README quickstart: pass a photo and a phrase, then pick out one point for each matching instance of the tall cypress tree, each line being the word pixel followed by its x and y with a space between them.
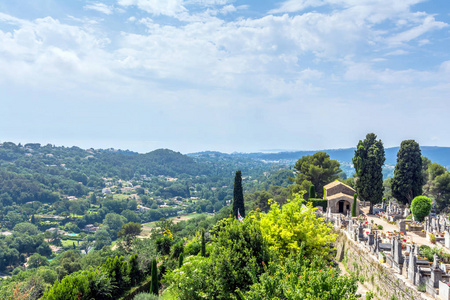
pixel 203 248
pixel 312 192
pixel 180 260
pixel 238 196
pixel 368 162
pixel 355 203
pixel 408 180
pixel 154 285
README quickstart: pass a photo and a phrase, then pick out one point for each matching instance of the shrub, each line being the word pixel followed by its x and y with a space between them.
pixel 432 239
pixel 319 202
pixel 380 227
pixel 301 278
pixel 145 296
pixel 420 207
pixel 287 227
pixel 422 288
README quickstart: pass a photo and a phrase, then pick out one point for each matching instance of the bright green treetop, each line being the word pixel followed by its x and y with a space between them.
pixel 293 224
pixel 420 207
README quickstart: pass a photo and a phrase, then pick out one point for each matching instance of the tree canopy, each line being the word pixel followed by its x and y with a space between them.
pixel 368 162
pixel 317 169
pixel 408 177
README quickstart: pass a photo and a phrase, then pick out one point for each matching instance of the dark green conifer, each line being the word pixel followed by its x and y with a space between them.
pixel 180 260
pixel 203 251
pixel 238 196
pixel 154 286
pixel 312 192
pixel 408 179
pixel 355 203
pixel 368 162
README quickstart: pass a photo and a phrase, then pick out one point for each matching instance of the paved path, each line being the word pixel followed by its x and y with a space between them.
pixel 391 227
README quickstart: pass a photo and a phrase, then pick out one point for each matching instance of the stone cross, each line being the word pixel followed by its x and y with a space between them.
pixel 435 261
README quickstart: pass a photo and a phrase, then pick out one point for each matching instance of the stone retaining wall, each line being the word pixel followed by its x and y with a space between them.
pixel 382 280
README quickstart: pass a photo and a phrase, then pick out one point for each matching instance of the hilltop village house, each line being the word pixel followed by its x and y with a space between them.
pixel 340 198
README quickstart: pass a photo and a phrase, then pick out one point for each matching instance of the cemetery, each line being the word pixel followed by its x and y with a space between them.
pixel 397 257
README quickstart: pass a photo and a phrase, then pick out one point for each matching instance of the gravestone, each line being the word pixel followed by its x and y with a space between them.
pixel 402 226
pixel 436 273
pixel 412 268
pixel 371 239
pixel 447 239
pixel 360 232
pixel 397 255
pixel 443 267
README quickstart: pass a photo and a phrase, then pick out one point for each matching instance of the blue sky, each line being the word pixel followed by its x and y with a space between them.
pixel 224 75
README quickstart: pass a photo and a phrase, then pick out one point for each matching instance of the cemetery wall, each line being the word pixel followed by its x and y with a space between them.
pixel 378 277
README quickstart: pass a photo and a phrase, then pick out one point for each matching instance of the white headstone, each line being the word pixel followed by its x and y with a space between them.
pixel 447 239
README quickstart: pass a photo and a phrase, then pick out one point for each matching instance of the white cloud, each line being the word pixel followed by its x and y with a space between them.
pixel 157 7
pixel 429 23
pixel 296 5
pixel 100 7
pixel 397 52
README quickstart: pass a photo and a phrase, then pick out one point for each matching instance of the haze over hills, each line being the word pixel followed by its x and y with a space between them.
pixel 440 155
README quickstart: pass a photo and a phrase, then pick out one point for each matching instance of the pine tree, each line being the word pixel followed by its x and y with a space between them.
pixel 312 192
pixel 238 196
pixel 355 203
pixel 408 178
pixel 154 286
pixel 203 249
pixel 368 162
pixel 33 219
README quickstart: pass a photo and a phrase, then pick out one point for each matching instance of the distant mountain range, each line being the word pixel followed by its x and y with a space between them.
pixel 440 155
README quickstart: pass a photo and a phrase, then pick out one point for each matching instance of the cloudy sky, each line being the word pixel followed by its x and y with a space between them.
pixel 243 75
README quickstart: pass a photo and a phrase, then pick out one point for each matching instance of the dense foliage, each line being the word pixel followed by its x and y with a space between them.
pixel 420 207
pixel 293 225
pixel 302 278
pixel 368 162
pixel 317 169
pixel 282 253
pixel 408 178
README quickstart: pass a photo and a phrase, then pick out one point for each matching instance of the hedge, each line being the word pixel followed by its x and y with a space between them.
pixel 319 202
